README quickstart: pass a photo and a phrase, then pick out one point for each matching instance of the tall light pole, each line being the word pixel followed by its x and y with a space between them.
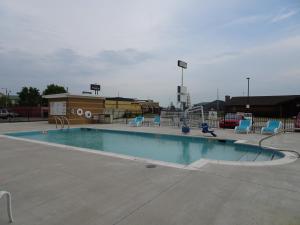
pixel 248 102
pixel 182 90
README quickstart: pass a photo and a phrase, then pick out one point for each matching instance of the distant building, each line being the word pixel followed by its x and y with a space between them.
pixel 217 105
pixel 119 106
pixel 149 106
pixel 266 106
pixel 122 104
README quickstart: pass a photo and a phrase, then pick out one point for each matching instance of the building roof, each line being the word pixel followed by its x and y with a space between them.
pixel 147 105
pixel 261 100
pixel 201 103
pixel 68 95
pixel 120 99
pixel 215 105
pixel 208 103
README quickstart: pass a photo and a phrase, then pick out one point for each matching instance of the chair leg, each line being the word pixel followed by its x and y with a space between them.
pixel 9 211
pixel 8 204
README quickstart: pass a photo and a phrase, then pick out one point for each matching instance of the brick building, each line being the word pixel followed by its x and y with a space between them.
pixel 266 106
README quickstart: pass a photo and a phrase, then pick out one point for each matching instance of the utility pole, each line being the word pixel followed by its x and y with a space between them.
pixel 6 96
pixel 217 99
pixel 181 90
pixel 181 76
pixel 248 99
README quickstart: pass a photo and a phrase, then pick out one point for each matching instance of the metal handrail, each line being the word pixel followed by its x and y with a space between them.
pixel 55 118
pixel 60 120
pixel 282 150
pixel 66 119
pixel 272 135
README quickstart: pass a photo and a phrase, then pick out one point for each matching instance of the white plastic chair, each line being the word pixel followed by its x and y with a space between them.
pixel 8 202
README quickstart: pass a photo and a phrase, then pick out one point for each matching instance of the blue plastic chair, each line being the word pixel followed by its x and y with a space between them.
pixel 137 121
pixel 272 127
pixel 243 127
pixel 156 120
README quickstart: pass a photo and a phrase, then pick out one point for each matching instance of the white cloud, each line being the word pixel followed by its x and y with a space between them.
pixel 246 20
pixel 132 46
pixel 283 16
pixel 19 68
pixel 273 69
pixel 87 27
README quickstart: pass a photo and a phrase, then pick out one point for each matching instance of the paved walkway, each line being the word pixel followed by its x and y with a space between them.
pixel 52 185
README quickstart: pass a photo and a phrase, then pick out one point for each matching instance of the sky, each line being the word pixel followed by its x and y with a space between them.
pixel 131 47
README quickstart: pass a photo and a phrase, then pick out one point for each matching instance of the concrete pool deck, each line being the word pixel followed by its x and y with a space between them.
pixel 50 185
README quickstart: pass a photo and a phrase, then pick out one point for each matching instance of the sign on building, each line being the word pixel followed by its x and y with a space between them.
pixel 58 108
pixel 95 87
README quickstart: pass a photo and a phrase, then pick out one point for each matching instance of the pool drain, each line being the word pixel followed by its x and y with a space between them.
pixel 150 166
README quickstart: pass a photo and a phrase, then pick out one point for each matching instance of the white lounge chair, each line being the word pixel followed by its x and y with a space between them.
pixel 156 120
pixel 273 126
pixel 137 121
pixel 244 126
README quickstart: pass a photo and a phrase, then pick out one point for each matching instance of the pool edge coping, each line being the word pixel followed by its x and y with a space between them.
pixel 196 165
pixel 99 152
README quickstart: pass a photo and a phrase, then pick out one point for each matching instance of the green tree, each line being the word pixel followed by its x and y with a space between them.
pixel 52 89
pixel 29 97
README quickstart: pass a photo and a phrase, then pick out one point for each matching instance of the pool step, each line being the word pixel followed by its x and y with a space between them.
pixel 250 156
pixel 263 157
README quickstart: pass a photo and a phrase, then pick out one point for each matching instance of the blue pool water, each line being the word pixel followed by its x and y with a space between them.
pixel 169 148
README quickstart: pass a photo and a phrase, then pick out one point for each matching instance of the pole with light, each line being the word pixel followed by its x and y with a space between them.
pixel 248 99
pixel 181 90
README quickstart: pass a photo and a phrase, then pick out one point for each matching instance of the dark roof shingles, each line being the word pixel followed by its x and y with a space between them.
pixel 261 100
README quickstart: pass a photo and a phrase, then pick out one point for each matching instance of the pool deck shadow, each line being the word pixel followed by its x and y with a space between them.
pixel 50 185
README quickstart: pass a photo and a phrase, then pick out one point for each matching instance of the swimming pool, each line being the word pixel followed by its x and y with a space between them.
pixel 182 150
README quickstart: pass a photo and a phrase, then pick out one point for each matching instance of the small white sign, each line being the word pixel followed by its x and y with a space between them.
pixel 58 108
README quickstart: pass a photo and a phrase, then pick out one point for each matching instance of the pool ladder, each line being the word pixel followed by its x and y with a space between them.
pixel 62 120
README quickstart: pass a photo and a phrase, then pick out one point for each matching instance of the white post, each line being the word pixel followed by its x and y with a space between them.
pixel 181 76
pixel 202 113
